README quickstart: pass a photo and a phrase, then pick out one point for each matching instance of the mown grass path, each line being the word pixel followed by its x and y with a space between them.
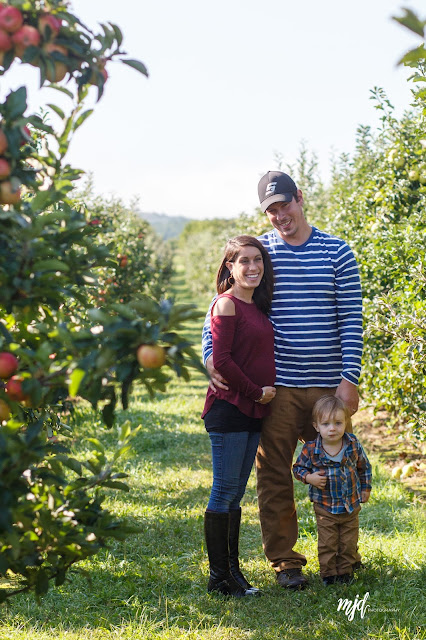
pixel 154 585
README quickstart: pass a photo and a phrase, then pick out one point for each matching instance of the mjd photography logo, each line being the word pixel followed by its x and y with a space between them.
pixel 350 607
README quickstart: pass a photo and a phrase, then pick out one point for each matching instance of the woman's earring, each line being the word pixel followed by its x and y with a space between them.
pixel 231 280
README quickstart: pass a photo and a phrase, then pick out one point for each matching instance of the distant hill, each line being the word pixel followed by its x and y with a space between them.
pixel 166 226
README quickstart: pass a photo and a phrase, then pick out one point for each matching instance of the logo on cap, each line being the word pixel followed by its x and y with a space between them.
pixel 270 189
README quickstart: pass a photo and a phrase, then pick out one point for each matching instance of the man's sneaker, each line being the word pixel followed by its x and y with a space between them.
pixel 328 580
pixel 345 578
pixel 292 579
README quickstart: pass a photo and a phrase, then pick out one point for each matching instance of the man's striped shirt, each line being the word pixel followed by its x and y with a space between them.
pixel 316 311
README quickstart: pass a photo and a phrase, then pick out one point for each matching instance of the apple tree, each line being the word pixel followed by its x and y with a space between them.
pixel 54 344
pixel 143 262
pixel 377 201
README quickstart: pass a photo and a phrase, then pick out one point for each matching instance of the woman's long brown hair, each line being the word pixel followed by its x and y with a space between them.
pixel 262 295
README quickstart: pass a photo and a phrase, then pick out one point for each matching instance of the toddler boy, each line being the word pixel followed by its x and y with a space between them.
pixel 339 474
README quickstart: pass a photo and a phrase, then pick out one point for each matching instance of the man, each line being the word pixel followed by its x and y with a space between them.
pixel 317 318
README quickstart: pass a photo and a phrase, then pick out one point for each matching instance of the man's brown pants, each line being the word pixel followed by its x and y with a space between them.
pixel 290 421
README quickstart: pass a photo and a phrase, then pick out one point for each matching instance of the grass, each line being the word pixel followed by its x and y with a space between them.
pixel 154 585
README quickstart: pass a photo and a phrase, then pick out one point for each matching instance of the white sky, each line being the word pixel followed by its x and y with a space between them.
pixel 232 83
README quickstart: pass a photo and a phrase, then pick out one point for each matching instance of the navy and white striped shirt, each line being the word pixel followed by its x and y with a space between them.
pixel 316 311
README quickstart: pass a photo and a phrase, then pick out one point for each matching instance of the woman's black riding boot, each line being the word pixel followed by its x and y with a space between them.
pixel 216 529
pixel 234 565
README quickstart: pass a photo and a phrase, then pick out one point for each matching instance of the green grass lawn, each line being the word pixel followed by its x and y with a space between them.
pixel 154 585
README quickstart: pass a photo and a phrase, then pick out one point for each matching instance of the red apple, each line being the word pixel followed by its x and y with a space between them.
pixel 122 260
pixel 4 411
pixel 49 26
pixel 5 41
pixel 8 364
pixel 151 356
pixel 9 195
pixel 3 142
pixel 11 19
pixel 26 36
pixel 14 389
pixel 4 169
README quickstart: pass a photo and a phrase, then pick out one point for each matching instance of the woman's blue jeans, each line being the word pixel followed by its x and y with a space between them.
pixel 233 456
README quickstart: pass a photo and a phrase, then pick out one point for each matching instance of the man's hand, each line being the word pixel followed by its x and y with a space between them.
pixel 317 479
pixel 348 392
pixel 216 380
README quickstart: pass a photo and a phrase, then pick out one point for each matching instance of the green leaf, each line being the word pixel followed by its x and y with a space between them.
pixel 120 452
pixel 5 333
pixel 33 431
pixel 108 39
pixel 136 64
pixel 82 118
pixel 411 21
pixel 98 316
pixel 115 484
pixel 16 103
pixel 124 310
pixel 97 444
pixel 125 431
pixel 52 264
pixel 40 200
pixel 31 53
pixel 38 123
pixel 64 185
pixel 57 110
pixel 75 380
pixel 412 58
pixel 71 463
pixel 117 32
pixel 62 89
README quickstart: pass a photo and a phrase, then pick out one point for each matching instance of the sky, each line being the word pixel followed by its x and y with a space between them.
pixel 233 84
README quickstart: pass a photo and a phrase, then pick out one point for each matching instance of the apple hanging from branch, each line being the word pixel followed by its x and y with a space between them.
pixel 151 356
pixel 8 364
